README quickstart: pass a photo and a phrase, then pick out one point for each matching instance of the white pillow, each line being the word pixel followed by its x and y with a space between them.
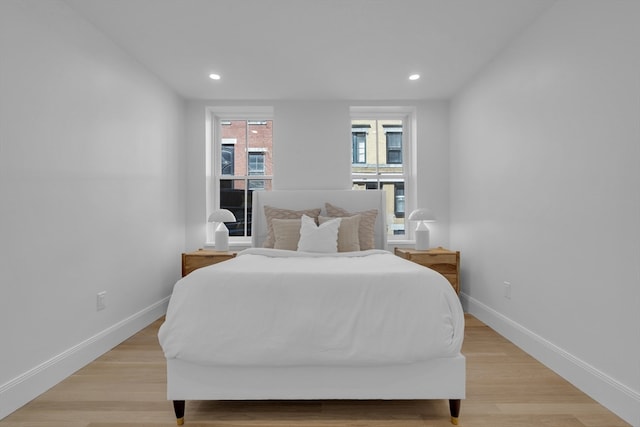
pixel 322 238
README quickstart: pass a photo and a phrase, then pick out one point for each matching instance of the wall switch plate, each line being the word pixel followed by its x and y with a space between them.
pixel 507 290
pixel 101 302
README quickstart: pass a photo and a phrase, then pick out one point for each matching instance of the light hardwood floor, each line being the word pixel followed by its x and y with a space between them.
pixel 126 387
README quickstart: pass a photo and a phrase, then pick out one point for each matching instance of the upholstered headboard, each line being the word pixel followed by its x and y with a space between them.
pixel 350 200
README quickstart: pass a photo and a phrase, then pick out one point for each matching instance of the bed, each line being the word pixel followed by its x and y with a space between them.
pixel 277 323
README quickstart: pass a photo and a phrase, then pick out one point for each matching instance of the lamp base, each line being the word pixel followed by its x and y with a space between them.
pixel 422 238
pixel 222 238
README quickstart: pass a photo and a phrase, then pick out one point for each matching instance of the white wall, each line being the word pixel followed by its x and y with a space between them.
pixel 312 150
pixel 544 194
pixel 91 195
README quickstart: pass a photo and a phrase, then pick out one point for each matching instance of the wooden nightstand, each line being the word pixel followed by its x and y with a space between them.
pixel 201 258
pixel 442 260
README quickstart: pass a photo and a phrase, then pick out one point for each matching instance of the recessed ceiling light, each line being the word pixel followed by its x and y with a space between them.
pixel 214 76
pixel 414 76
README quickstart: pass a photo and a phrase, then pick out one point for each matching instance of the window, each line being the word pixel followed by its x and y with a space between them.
pixel 394 145
pixel 380 136
pixel 256 167
pixel 359 143
pixel 228 158
pixel 240 162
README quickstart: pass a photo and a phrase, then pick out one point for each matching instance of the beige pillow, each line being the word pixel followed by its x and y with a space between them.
pixel 275 213
pixel 348 233
pixel 286 233
pixel 366 231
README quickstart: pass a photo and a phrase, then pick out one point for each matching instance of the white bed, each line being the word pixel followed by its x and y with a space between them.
pixel 203 372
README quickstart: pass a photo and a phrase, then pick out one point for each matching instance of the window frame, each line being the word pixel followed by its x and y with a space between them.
pixel 214 118
pixel 409 146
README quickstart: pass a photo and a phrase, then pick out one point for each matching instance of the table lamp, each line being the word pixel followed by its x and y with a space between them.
pixel 422 231
pixel 221 231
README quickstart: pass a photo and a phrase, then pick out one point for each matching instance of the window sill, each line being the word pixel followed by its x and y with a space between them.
pixel 234 245
pixel 400 243
pixel 240 244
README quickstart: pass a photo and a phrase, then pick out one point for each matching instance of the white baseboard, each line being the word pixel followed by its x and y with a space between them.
pixel 27 386
pixel 610 393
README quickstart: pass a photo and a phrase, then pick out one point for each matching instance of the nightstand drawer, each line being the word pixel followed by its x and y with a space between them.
pixel 453 279
pixel 202 258
pixel 442 260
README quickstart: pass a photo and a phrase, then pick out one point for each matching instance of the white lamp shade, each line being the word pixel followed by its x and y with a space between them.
pixel 222 215
pixel 422 214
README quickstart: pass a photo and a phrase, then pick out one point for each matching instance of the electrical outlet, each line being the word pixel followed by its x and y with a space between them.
pixel 101 300
pixel 507 290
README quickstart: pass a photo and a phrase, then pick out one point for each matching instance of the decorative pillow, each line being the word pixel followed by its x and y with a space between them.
pixel 319 238
pixel 366 232
pixel 348 233
pixel 270 213
pixel 286 233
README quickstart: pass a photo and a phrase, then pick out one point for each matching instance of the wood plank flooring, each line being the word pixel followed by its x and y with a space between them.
pixel 126 387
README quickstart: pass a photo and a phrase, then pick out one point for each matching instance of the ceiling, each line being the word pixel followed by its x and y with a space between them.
pixel 312 49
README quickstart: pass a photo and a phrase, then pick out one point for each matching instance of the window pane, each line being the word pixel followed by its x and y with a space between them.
pixel 233 142
pixel 394 202
pixel 394 147
pixel 256 164
pixel 394 141
pixel 394 157
pixel 234 197
pixel 260 184
pixel 399 199
pixel 359 147
pixel 395 222
pixel 228 159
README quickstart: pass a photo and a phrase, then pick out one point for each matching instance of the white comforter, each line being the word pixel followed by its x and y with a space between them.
pixel 274 308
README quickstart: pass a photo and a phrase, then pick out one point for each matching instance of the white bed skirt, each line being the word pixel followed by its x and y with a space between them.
pixel 442 378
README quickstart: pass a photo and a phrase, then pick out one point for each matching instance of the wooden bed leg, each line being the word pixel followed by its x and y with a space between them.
pixel 454 409
pixel 178 407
